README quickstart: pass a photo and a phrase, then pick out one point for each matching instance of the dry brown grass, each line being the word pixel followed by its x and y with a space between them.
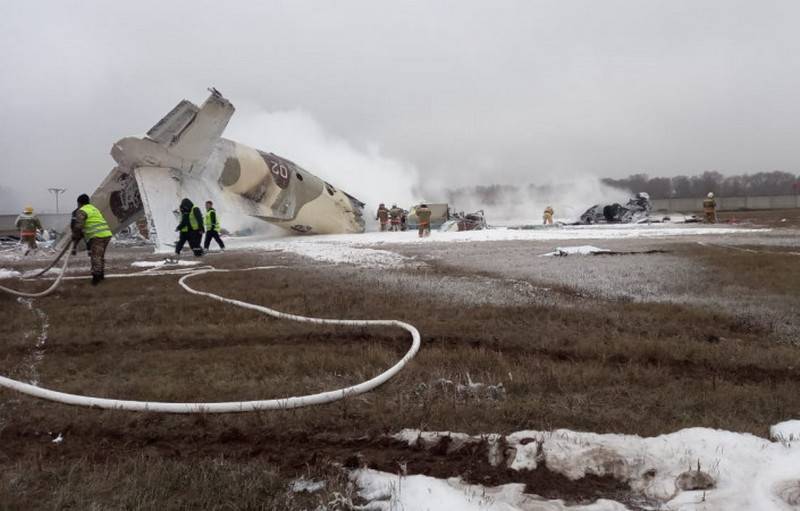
pixel 604 366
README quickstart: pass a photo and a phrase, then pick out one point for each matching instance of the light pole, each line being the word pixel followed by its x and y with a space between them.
pixel 57 192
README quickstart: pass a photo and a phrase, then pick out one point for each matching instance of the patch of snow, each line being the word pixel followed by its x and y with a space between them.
pixel 386 492
pixel 359 249
pixel 746 472
pixel 158 264
pixel 306 485
pixel 787 431
pixel 51 271
pixel 35 357
pixel 577 250
pixel 330 251
pixel 576 232
pixel 8 274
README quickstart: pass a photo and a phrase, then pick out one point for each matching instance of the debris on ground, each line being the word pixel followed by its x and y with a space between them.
pixel 579 250
pixel 465 222
pixel 635 211
pixel 158 264
pixel 472 389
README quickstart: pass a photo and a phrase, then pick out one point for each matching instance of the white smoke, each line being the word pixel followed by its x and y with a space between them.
pixel 365 174
pixel 525 204
pixel 373 177
pixel 9 201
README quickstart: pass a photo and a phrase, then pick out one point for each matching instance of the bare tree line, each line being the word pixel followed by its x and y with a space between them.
pixel 760 183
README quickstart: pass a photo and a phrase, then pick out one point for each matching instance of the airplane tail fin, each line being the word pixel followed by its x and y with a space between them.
pixel 190 131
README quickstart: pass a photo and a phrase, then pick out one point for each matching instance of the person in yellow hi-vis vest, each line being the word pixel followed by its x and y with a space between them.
pixel 212 227
pixel 190 229
pixel 89 224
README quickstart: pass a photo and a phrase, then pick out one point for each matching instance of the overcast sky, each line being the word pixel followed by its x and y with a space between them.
pixel 463 92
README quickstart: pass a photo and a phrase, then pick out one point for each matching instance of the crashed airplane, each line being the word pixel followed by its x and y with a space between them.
pixel 184 155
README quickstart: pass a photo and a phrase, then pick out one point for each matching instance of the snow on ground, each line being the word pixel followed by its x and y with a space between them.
pixel 577 250
pixel 8 274
pixel 158 264
pixel 556 233
pixel 354 248
pixel 736 471
pixel 788 431
pixel 329 251
pixel 385 492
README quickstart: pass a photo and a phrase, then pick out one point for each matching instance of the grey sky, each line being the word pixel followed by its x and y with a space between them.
pixel 487 92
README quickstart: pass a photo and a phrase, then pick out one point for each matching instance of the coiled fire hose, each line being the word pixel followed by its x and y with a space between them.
pixel 230 406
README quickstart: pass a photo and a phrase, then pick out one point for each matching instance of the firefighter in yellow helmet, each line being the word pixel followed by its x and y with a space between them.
pixel 89 224
pixel 548 215
pixel 28 224
pixel 710 208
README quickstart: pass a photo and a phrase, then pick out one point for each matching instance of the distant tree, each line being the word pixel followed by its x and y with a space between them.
pixel 681 186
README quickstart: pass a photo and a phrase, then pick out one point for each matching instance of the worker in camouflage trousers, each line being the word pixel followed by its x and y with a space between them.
pixel 382 216
pixel 548 215
pixel 28 225
pixel 212 227
pixel 710 208
pixel 190 229
pixel 424 220
pixel 88 224
pixel 395 215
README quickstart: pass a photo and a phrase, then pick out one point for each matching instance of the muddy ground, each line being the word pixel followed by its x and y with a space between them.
pixel 696 335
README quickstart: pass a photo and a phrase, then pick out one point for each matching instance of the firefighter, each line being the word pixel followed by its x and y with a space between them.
pixel 89 224
pixel 424 220
pixel 710 208
pixel 548 215
pixel 394 215
pixel 190 228
pixel 28 225
pixel 212 227
pixel 382 216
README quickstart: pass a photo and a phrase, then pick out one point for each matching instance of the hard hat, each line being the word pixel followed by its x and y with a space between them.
pixel 710 195
pixel 28 209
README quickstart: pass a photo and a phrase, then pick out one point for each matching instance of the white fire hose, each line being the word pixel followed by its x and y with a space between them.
pixel 230 406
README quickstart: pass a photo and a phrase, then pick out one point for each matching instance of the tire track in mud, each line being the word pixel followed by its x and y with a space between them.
pixel 689 369
pixel 35 356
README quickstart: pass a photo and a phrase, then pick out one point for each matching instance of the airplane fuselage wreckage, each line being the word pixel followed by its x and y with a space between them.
pixel 184 155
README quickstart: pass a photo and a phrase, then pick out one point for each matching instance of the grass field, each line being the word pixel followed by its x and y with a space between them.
pixel 643 344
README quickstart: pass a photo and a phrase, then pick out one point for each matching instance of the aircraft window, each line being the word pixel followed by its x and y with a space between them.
pixel 299 176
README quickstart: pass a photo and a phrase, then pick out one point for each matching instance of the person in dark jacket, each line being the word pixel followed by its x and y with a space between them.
pixel 212 227
pixel 190 229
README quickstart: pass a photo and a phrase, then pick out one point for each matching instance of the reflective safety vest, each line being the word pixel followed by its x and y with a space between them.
pixel 192 221
pixel 212 226
pixel 95 226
